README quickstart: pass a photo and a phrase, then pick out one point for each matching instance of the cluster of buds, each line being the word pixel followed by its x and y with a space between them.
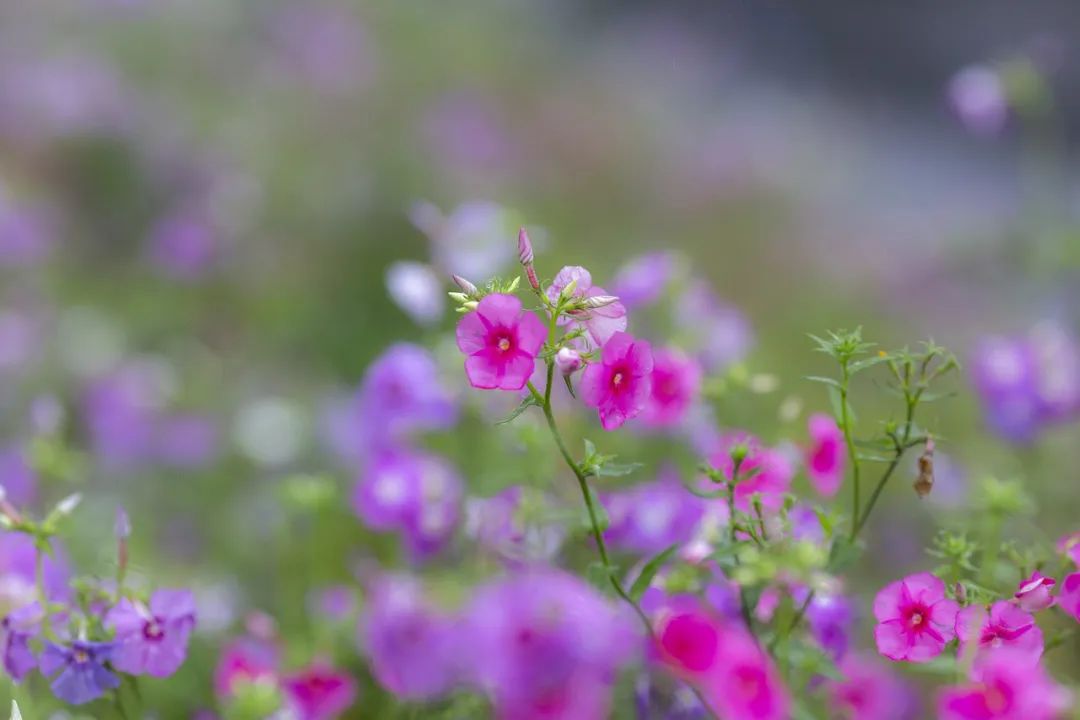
pixel 470 295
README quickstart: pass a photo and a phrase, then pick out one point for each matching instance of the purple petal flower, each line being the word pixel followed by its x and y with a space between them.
pixel 977 96
pixel 17 563
pixel 723 333
pixel 17 477
pixel 186 441
pixel 642 280
pixel 474 241
pixel 417 290
pixel 26 235
pixel 152 640
pixel 185 243
pixel 601 323
pixel 651 516
pixel 16 630
pixel 498 525
pixel 79 670
pixel 1004 373
pixel 831 619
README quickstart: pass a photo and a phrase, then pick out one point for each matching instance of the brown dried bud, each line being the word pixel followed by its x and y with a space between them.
pixel 924 483
pixel 960 593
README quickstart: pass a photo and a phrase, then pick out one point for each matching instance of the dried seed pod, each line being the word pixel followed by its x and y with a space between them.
pixel 924 483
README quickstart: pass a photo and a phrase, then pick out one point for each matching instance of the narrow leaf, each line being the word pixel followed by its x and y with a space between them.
pixel 641 584
pixel 527 403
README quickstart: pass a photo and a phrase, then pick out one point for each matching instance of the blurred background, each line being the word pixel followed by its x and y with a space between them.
pixel 215 215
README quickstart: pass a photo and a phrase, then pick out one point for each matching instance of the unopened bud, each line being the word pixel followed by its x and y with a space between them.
pixel 471 305
pixel 467 287
pixel 568 360
pixel 598 301
pixel 525 248
pixel 924 483
pixel 458 297
pixel 67 506
pixel 513 285
pixel 568 291
pixel 122 527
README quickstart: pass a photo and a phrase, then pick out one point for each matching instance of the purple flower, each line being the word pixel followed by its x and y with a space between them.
pixel 26 235
pixel 413 648
pixel 831 618
pixel 79 670
pixel 977 96
pixel 185 243
pixel 120 410
pixel 152 640
pixel 722 332
pixel 417 290
pixel 642 280
pixel 545 644
pixel 601 323
pixel 16 630
pixel 1004 373
pixel 17 562
pixel 501 525
pixel 649 517
pixel 333 602
pixel 501 342
pixel 17 477
pixel 186 441
pixel 465 132
pixel 474 241
pixel 324 46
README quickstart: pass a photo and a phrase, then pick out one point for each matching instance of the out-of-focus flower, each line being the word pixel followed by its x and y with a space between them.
pixel 1069 595
pixel 271 431
pixel 1035 593
pixel 601 323
pixel 333 603
pixel 324 46
pixel 619 386
pixel 245 660
pixel 17 571
pixel 747 687
pixel 1057 383
pixel 186 440
pixel 915 619
pixel 417 290
pixel 977 96
pixel 474 241
pixel 718 333
pixel 467 134
pixel 16 631
pixel 20 339
pixel 679 703
pixel 1004 626
pixel 649 517
pixel 185 243
pixel 17 477
pixel 1007 687
pixel 688 641
pixel 766 472
pixel 503 524
pixel 831 618
pixel 412 646
pixel 319 692
pixel 868 691
pixel 676 382
pixel 501 342
pixel 120 410
pixel 26 234
pixel 1069 546
pixel 546 645
pixel 79 669
pixel 643 280
pixel 825 456
pixel 152 639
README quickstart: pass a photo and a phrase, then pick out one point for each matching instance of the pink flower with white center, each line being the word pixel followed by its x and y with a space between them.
pixel 620 385
pixel 501 342
pixel 1004 626
pixel 1069 596
pixel 915 619
pixel 1007 687
pixel 600 323
pixel 825 456
pixel 676 381
pixel 1035 593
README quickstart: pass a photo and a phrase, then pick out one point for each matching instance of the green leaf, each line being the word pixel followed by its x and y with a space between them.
pixel 610 469
pixel 527 403
pixel 599 575
pixel 590 449
pixel 865 363
pixel 569 386
pixel 826 380
pixel 641 584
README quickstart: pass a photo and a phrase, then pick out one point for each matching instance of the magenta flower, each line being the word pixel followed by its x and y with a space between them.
pixel 245 660
pixel 868 692
pixel 152 639
pixel 825 456
pixel 765 472
pixel 79 669
pixel 688 640
pixel 601 323
pixel 676 381
pixel 1004 626
pixel 501 342
pixel 1035 593
pixel 1069 596
pixel 319 692
pixel 643 279
pixel 746 685
pixel 915 619
pixel 620 385
pixel 1007 687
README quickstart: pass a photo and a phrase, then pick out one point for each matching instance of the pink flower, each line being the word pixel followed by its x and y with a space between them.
pixel 1008 687
pixel 319 692
pixel 1069 546
pixel 601 323
pixel 620 384
pixel 1034 594
pixel 1069 597
pixel 825 456
pixel 1004 626
pixel 915 619
pixel 746 685
pixel 766 472
pixel 501 342
pixel 676 380
pixel 868 692
pixel 245 660
pixel 688 642
pixel 568 361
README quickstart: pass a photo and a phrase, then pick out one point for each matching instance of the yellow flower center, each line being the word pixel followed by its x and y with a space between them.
pixel 617 379
pixel 504 344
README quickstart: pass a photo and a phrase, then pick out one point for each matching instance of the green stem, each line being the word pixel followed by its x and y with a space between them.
pixel 853 453
pixel 39 583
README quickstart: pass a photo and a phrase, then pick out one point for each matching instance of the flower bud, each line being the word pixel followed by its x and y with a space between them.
pixel 122 526
pixel 525 248
pixel 67 506
pixel 568 291
pixel 467 287
pixel 568 360
pixel 471 305
pixel 599 301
